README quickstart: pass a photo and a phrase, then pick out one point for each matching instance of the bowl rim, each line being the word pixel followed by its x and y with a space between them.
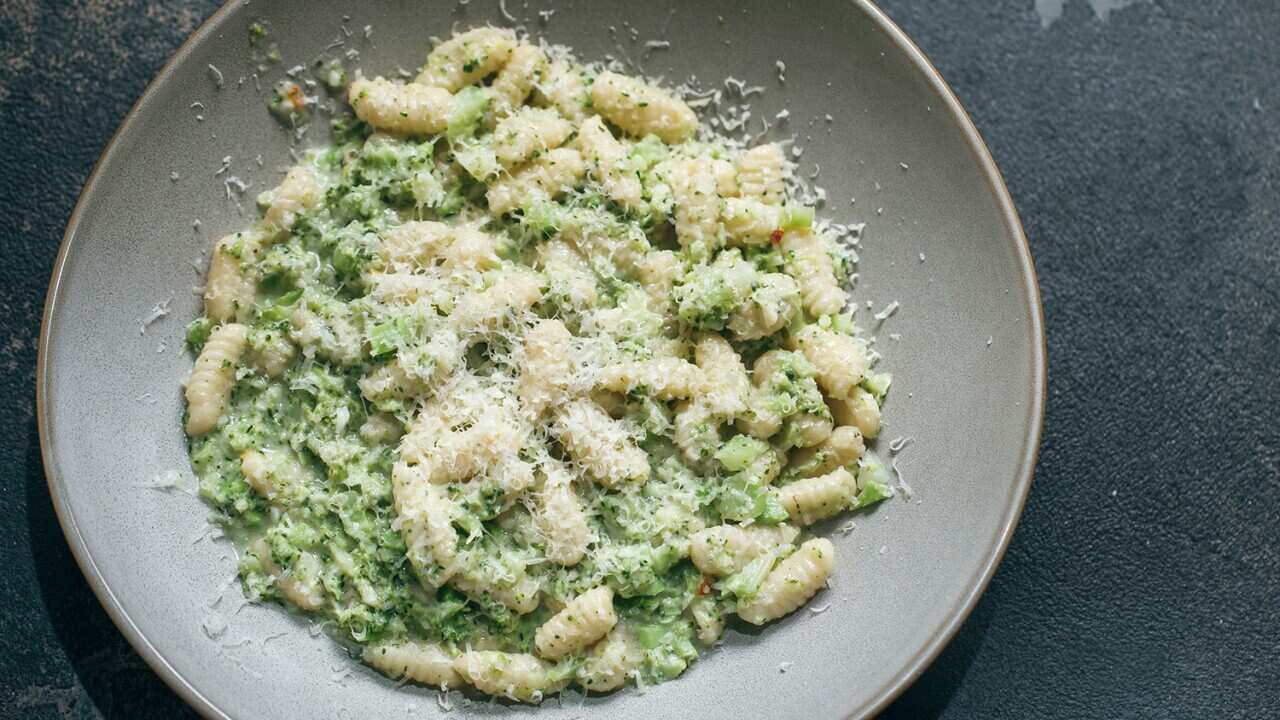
pixel 888 691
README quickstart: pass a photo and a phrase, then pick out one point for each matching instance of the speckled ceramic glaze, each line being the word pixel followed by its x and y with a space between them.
pixel 966 349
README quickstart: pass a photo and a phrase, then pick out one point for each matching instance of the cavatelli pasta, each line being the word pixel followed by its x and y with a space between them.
pixel 816 498
pixel 697 206
pixel 842 448
pixel 611 661
pixel 425 663
pixel 725 549
pixel 426 524
pixel 791 583
pixel 300 190
pixel 812 267
pixel 516 676
pixel 511 292
pixel 528 132
pixel 564 89
pixel 230 287
pixel 860 410
pixel 544 375
pixel 547 176
pixel 406 109
pixel 414 243
pixel 641 109
pixel 516 79
pixel 749 222
pixel 467 58
pixel 609 163
pixel 665 378
pixel 584 620
pixel 560 516
pixel 839 360
pixel 212 377
pixel 727 385
pixel 762 172
pixel 600 444
pixel 774 302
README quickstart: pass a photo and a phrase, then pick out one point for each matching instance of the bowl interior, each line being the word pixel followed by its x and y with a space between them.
pixel 965 348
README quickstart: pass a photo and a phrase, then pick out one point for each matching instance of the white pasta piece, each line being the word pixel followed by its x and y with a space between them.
pixel 760 421
pixel 394 380
pixel 545 177
pixel 512 292
pixel 516 676
pixel 726 178
pixel 808 429
pixel 301 587
pixel 838 359
pixel 406 287
pixel 528 132
pixel 404 109
pixel 560 516
pixel 697 206
pixel 725 549
pixel 449 455
pixel 841 449
pixel 569 277
pixel 708 617
pixel 727 385
pixel 564 89
pixel 609 163
pixel 658 272
pixel 416 242
pixel 749 222
pixel 300 190
pixel 812 499
pixel 665 378
pixel 426 523
pixel 334 338
pixel 229 291
pixel 470 249
pixel 544 374
pixel 600 444
pixel 521 596
pixel 611 661
pixel 517 78
pixel 761 174
pixel 211 379
pixel 467 58
pixel 641 109
pixel 791 583
pixel 271 473
pixel 584 620
pixel 771 306
pixel 381 428
pixel 859 410
pixel 696 431
pixel 253 465
pixel 597 233
pixel 813 269
pixel 425 663
pixel 272 353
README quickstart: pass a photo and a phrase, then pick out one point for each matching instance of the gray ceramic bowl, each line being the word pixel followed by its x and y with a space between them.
pixel 942 238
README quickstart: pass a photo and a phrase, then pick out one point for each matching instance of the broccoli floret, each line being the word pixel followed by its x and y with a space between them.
pixel 710 293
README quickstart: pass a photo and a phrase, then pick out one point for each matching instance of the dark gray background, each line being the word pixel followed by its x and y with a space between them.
pixel 1142 146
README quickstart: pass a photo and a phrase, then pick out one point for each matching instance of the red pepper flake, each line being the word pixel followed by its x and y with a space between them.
pixel 775 237
pixel 704 587
pixel 296 97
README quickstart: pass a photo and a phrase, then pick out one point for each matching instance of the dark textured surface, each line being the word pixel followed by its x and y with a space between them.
pixel 1142 151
